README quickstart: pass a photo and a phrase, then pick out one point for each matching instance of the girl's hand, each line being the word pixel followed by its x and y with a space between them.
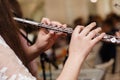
pixel 83 40
pixel 46 38
pixel 118 34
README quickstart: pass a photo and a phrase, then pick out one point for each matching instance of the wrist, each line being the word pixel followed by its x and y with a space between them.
pixel 77 56
pixel 72 68
pixel 36 49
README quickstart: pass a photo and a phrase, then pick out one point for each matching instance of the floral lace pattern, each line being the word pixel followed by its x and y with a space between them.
pixel 2 72
pixel 14 76
pixel 11 67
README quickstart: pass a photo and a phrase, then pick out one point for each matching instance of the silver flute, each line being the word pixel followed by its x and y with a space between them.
pixel 106 38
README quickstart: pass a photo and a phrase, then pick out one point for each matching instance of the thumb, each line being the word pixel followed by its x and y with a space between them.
pixel 50 34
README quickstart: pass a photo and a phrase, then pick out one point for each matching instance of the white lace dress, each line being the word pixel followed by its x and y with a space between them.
pixel 11 68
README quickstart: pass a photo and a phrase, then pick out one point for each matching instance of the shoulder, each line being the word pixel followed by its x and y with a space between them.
pixel 6 54
pixel 5 51
pixel 2 42
pixel 10 65
pixel 4 48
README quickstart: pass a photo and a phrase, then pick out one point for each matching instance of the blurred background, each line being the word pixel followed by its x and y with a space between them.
pixel 68 10
pixel 103 61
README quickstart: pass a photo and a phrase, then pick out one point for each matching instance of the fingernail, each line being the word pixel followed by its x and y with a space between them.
pixel 104 33
pixel 52 32
pixel 94 23
pixel 99 28
pixel 64 24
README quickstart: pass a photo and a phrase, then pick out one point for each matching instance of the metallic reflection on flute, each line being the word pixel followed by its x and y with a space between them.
pixel 41 25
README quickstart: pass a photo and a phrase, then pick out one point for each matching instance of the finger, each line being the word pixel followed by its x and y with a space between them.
pixel 88 28
pixel 45 20
pixel 64 25
pixel 50 34
pixel 78 29
pixel 57 24
pixel 93 33
pixel 61 34
pixel 98 38
pixel 43 31
pixel 118 34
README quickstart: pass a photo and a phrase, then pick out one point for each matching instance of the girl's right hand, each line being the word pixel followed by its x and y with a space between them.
pixel 83 40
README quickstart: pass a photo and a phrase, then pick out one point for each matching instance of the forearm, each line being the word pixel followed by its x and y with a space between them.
pixel 32 52
pixel 72 68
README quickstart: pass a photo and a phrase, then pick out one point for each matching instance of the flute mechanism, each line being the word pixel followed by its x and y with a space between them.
pixel 42 25
pixel 106 38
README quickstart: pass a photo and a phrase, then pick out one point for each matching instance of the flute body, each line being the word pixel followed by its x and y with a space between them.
pixel 107 38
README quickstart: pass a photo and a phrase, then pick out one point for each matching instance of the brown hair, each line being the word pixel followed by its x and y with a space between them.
pixel 9 30
pixel 16 8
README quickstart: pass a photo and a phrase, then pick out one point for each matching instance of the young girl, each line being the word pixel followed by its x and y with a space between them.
pixel 14 56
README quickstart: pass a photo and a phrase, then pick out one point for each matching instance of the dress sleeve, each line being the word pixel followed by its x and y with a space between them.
pixel 11 68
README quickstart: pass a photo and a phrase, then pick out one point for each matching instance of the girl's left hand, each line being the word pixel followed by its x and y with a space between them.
pixel 46 38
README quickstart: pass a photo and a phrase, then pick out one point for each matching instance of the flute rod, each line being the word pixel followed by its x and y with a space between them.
pixel 42 25
pixel 107 38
